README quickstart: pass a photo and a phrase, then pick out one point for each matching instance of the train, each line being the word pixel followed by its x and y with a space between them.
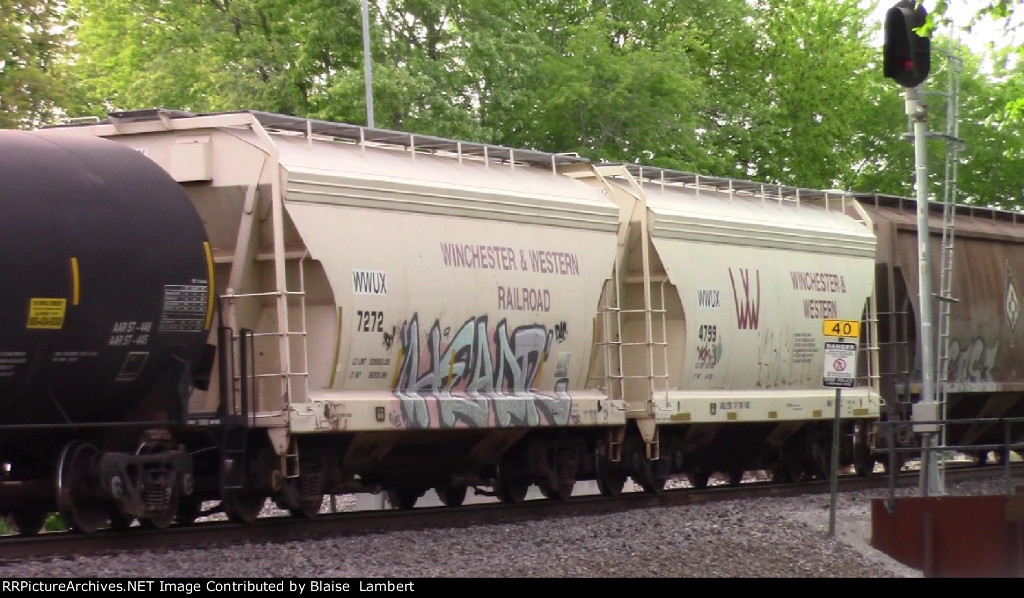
pixel 234 307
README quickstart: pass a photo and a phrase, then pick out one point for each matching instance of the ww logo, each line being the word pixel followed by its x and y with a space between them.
pixel 748 307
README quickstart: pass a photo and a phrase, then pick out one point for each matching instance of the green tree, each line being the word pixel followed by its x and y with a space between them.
pixel 783 91
pixel 632 80
pixel 32 43
pixel 815 80
pixel 422 77
pixel 992 135
pixel 273 55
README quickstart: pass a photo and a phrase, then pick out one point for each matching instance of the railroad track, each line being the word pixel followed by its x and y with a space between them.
pixel 278 529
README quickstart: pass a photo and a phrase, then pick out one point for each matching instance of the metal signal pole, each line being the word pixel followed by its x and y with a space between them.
pixel 926 409
pixel 367 61
pixel 906 59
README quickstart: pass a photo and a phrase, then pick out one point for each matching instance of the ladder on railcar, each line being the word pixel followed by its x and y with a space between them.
pixel 896 345
pixel 870 347
pixel 628 358
pixel 246 374
pixel 949 204
pixel 869 357
pixel 633 331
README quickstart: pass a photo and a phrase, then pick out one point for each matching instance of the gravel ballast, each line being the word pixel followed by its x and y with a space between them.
pixel 763 537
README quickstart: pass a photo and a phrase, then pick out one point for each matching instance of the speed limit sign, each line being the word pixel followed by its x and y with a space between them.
pixel 841 328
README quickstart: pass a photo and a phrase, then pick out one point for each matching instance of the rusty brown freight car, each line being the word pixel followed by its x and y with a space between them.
pixel 980 353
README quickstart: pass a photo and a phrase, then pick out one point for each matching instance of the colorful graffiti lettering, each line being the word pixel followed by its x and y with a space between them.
pixel 973 362
pixel 476 379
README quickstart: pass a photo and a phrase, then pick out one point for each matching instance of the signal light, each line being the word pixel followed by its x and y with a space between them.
pixel 906 56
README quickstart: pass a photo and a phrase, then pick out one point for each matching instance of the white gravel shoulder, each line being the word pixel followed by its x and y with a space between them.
pixel 765 537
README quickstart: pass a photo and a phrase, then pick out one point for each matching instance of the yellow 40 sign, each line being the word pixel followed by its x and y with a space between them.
pixel 843 328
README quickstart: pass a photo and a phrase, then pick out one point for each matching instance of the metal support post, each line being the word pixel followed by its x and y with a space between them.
pixel 367 64
pixel 834 470
pixel 927 407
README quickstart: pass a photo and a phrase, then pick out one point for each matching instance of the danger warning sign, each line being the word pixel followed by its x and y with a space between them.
pixel 840 364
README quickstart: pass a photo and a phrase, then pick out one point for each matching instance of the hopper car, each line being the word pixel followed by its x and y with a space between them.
pixel 237 307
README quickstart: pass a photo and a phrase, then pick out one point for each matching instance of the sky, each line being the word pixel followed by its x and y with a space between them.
pixel 961 12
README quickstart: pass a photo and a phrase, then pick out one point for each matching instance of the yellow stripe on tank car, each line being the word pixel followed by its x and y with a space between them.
pixel 209 284
pixel 74 281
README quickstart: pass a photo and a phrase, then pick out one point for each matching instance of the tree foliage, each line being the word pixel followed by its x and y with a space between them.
pixel 32 44
pixel 786 91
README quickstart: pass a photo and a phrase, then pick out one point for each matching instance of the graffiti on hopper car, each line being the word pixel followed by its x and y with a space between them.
pixel 972 361
pixel 388 338
pixel 787 358
pixel 709 351
pixel 708 356
pixel 477 376
pixel 561 331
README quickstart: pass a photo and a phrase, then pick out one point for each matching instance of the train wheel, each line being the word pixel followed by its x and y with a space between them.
pixel 451 496
pixel 979 458
pixel 650 475
pixel 609 477
pixel 163 518
pixel 512 483
pixel 308 508
pixel 864 467
pixel 77 503
pixel 557 489
pixel 188 510
pixel 162 500
pixel 120 520
pixel 309 487
pixel 27 521
pixel 863 460
pixel 778 471
pixel 819 449
pixel 698 478
pixel 403 498
pixel 243 507
pixel 654 485
pixel 736 476
pixel 790 467
pixel 900 461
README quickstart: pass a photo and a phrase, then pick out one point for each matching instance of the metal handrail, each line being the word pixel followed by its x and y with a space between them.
pixel 1008 445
